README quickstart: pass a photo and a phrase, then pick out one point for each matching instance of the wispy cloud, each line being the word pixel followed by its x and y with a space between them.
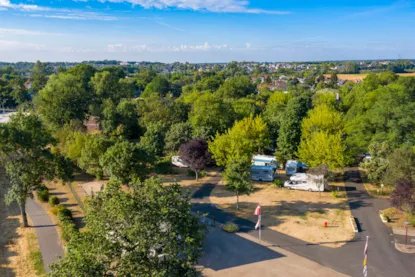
pixel 218 6
pixel 6 45
pixel 77 15
pixel 123 48
pixel 27 32
pixel 6 4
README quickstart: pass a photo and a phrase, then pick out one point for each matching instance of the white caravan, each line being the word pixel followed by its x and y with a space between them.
pixel 302 181
pixel 177 161
pixel 262 173
pixel 264 160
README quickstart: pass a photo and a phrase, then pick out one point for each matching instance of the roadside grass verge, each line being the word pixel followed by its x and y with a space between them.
pixel 34 255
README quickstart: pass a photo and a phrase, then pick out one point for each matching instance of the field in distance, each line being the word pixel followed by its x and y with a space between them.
pixel 358 77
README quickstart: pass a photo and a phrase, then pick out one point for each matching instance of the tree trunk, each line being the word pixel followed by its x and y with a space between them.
pixel 24 215
pixel 237 201
pixel 197 175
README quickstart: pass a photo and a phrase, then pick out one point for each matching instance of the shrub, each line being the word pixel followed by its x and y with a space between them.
pixel 43 195
pixel 412 221
pixel 64 214
pixel 68 229
pixel 278 183
pixel 53 201
pixel 42 188
pixel 164 167
pixel 56 209
pixel 230 227
pixel 334 193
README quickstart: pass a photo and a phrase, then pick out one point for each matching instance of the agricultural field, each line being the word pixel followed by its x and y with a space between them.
pixel 360 77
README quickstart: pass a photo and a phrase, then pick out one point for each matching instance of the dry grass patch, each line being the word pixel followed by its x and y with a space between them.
pixel 300 214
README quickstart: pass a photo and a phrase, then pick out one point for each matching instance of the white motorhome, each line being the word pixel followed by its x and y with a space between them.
pixel 262 173
pixel 264 160
pixel 177 161
pixel 302 181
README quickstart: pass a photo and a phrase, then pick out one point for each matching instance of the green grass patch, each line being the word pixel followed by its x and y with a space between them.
pixel 230 227
pixel 35 255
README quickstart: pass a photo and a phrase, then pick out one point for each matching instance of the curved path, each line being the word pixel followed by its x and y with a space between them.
pixel 47 235
pixel 383 259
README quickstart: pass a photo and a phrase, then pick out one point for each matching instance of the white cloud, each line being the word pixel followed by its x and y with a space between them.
pixel 123 48
pixel 220 6
pixel 5 4
pixel 77 16
pixel 6 45
pixel 27 32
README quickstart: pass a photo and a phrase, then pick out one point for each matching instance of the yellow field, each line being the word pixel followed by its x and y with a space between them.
pixel 358 77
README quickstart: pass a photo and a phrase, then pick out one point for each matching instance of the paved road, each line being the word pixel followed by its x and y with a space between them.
pixel 47 235
pixel 249 259
pixel 383 259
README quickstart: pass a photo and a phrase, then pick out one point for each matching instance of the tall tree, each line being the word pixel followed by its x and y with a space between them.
pixel 401 165
pixel 195 154
pixel 237 87
pixel 237 178
pixel 62 100
pixel 289 135
pixel 403 197
pixel 38 76
pixel 153 139
pixel 377 165
pixel 125 161
pixel 177 135
pixel 158 86
pixel 23 148
pixel 148 231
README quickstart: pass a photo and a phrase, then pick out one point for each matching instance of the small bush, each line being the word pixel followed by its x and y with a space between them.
pixel 334 193
pixel 43 195
pixel 412 221
pixel 68 229
pixel 278 183
pixel 164 167
pixel 64 214
pixel 42 188
pixel 53 201
pixel 230 227
pixel 56 209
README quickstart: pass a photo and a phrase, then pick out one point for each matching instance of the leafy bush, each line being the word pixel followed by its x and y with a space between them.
pixel 64 214
pixel 278 183
pixel 164 167
pixel 42 188
pixel 68 229
pixel 53 201
pixel 230 227
pixel 334 193
pixel 43 195
pixel 412 221
pixel 56 209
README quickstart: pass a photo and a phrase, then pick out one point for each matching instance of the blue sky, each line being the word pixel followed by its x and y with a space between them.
pixel 206 30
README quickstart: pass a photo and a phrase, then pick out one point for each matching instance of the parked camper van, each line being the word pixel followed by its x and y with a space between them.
pixel 302 181
pixel 262 173
pixel 292 167
pixel 177 161
pixel 264 160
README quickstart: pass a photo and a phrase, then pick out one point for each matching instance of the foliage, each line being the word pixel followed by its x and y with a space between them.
pixel 195 154
pixel 323 148
pixel 69 230
pixel 128 230
pixel 237 178
pixel 158 86
pixel 278 183
pixel 125 161
pixel 244 107
pixel 178 134
pixel 38 76
pixel 236 87
pixel 210 115
pixel 94 147
pixel 322 119
pixel 24 141
pixel 64 213
pixel 43 195
pixel 334 193
pixel 376 167
pixel 401 166
pixel 53 201
pixel 153 139
pixel 63 99
pixel 230 227
pixel 241 141
pixel 202 173
pixel 403 197
pixel 290 127
pixel 108 85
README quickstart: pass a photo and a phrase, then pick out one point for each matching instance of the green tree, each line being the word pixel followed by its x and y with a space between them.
pixel 209 115
pixel 108 85
pixel 94 147
pixel 144 77
pixel 128 231
pixel 63 99
pixel 125 161
pixel 211 83
pixel 84 73
pixel 401 166
pixel 377 165
pixel 246 137
pixel 158 86
pixel 289 134
pixel 322 118
pixel 244 107
pixel 236 87
pixel 153 139
pixel 323 148
pixel 178 134
pixel 237 178
pixel 23 148
pixel 38 76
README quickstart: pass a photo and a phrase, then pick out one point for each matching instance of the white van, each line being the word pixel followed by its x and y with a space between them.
pixel 264 160
pixel 177 161
pixel 302 181
pixel 262 173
